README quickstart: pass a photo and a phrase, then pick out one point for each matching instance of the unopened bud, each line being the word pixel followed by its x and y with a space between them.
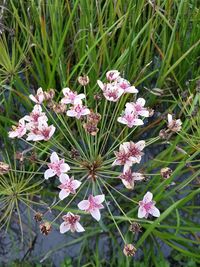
pixel 129 250
pixel 83 80
pixel 4 168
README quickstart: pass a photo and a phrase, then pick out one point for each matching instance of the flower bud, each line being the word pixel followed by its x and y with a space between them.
pixel 129 250
pixel 174 125
pixel 59 108
pixel 4 168
pixel 97 97
pixel 83 80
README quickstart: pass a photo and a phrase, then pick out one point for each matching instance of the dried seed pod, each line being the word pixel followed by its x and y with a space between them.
pixel 94 117
pixel 91 128
pixel 74 153
pixel 45 228
pixel 151 112
pixel 38 216
pixel 129 250
pixel 135 227
pixel 19 156
pixel 166 172
pixel 59 108
pixel 97 97
pixel 163 134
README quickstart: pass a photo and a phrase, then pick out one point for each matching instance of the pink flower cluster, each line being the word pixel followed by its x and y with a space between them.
pixel 34 125
pixel 92 206
pixel 69 185
pixel 130 116
pixel 116 86
pixel 77 109
pixel 129 153
pixel 59 167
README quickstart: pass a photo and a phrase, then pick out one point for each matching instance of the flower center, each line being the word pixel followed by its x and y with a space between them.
pixel 92 168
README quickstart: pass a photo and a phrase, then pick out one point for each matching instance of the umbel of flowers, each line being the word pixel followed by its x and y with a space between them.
pixel 36 127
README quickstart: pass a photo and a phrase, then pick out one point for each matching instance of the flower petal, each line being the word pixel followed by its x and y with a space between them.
pixel 141 102
pixel 49 173
pixel 79 227
pixel 64 227
pixel 144 113
pixel 63 194
pixel 96 214
pixel 66 91
pixel 131 90
pixel 76 184
pixel 138 176
pixel 84 205
pixel 64 167
pixel 169 117
pixel 137 122
pixel 64 178
pixel 71 113
pixel 100 84
pixel 127 184
pixel 147 197
pixel 99 199
pixel 154 211
pixel 140 145
pixel 54 157
pixel 141 212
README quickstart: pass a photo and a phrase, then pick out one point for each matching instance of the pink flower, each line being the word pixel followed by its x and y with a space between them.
pixel 56 167
pixel 129 117
pixel 71 97
pixel 19 130
pixel 139 107
pixel 36 115
pixel 67 185
pixel 93 205
pixel 78 110
pixel 129 178
pixel 174 125
pixel 135 150
pixel 126 86
pixel 40 132
pixel 112 75
pixel 117 86
pixel 111 91
pixel 71 222
pixel 147 206
pixel 39 97
pixel 123 157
